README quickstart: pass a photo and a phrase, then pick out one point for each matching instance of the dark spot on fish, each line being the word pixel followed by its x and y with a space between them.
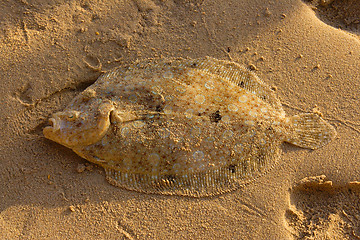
pixel 153 102
pixel 228 49
pixel 84 99
pixel 232 168
pixel 244 166
pixel 115 129
pixel 261 158
pixel 242 84
pixel 159 108
pixel 170 178
pixel 194 65
pixel 215 116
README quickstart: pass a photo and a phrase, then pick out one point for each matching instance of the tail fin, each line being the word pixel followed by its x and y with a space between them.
pixel 311 131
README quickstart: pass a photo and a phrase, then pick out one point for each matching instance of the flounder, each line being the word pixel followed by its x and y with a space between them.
pixel 193 127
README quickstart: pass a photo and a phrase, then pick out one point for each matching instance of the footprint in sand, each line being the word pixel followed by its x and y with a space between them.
pixel 320 209
pixel 343 14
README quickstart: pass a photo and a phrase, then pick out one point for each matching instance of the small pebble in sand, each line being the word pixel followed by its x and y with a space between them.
pixel 72 208
pixel 80 168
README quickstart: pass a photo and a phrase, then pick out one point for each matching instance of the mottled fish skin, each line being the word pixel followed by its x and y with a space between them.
pixel 194 127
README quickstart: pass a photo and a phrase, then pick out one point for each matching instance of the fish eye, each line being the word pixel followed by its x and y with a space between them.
pixel 72 116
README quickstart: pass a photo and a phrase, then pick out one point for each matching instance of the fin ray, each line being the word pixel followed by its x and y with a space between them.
pixel 311 131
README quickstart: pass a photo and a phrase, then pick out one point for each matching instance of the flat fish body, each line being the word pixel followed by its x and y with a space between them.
pixel 197 127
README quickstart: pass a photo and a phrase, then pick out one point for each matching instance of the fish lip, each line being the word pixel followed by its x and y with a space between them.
pixel 53 126
pixel 52 122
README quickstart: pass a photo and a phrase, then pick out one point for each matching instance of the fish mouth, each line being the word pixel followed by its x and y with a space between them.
pixel 51 129
pixel 52 123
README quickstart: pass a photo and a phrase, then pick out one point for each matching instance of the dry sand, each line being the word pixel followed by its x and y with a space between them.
pixel 50 50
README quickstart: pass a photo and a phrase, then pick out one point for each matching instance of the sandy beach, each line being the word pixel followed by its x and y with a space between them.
pixel 51 50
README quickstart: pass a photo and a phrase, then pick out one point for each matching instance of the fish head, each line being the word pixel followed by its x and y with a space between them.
pixel 83 123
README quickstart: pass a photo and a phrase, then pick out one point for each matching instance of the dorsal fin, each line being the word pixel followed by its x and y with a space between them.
pixel 229 71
